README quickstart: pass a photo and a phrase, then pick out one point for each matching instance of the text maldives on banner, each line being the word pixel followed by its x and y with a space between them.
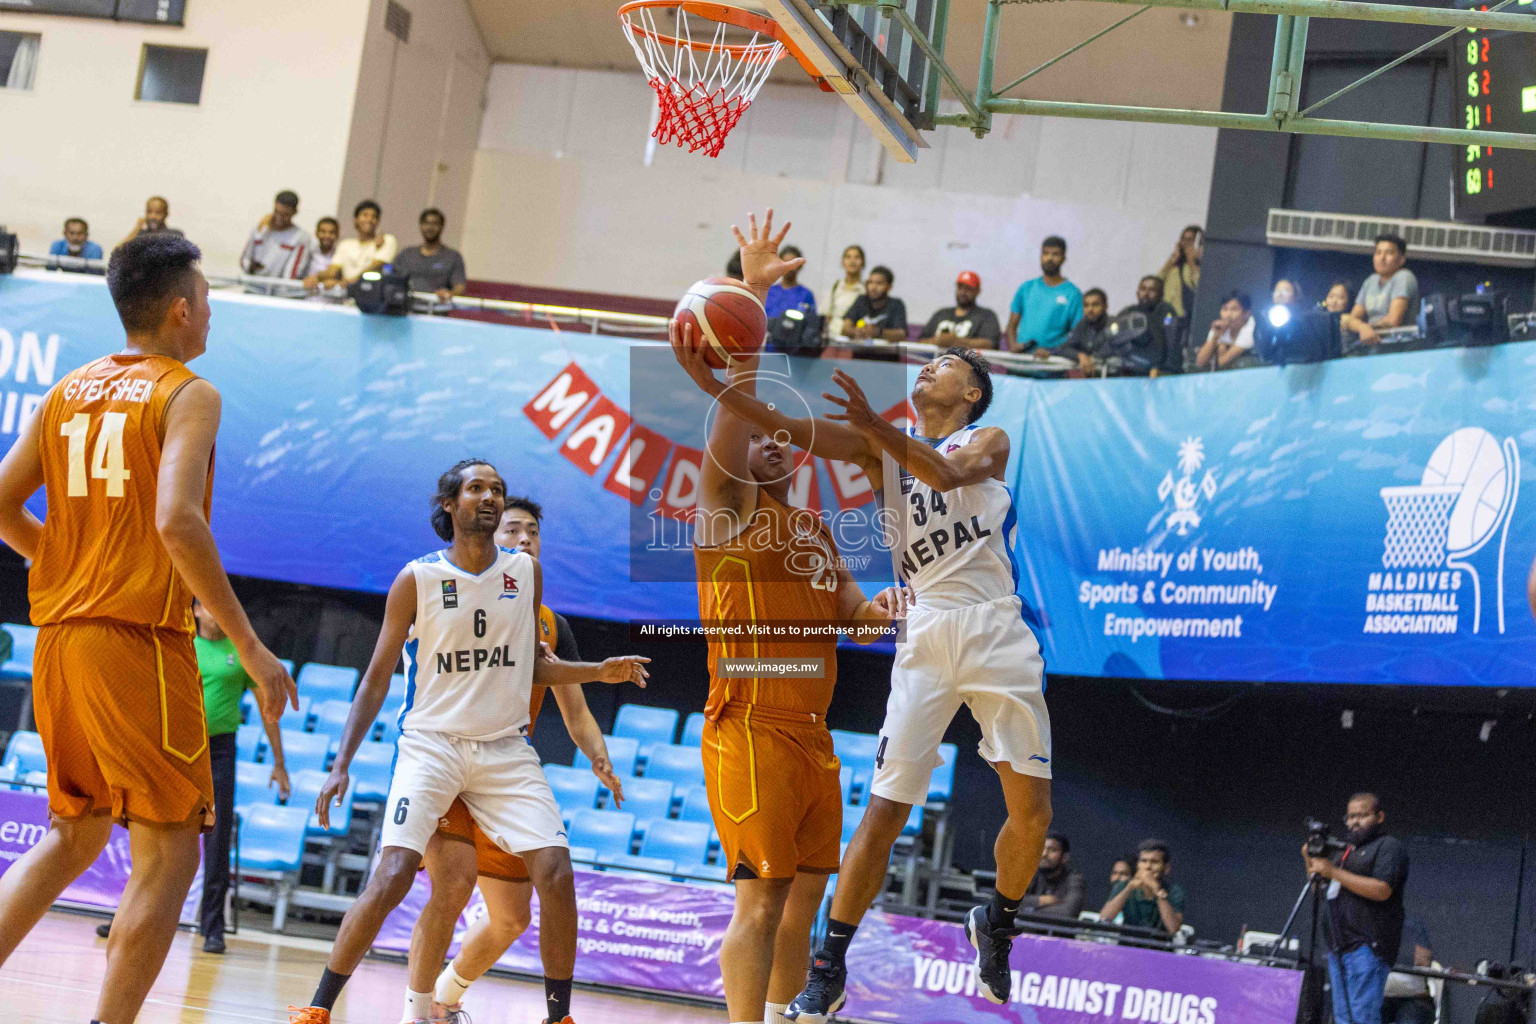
pixel 908 969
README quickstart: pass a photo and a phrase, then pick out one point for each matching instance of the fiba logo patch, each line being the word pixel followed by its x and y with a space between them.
pixel 1442 532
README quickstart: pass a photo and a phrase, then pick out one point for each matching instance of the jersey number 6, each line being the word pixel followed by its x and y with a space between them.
pixel 402 809
pixel 479 622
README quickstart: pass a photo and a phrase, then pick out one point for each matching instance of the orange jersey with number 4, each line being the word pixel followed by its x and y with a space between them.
pixel 101 433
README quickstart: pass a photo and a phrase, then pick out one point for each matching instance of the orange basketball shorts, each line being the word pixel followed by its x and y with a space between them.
pixel 773 790
pixel 120 711
pixel 490 860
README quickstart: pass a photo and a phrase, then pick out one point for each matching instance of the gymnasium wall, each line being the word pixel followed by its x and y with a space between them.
pixel 275 113
pixel 566 193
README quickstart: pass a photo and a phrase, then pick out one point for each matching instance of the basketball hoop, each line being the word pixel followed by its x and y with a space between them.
pixel 703 83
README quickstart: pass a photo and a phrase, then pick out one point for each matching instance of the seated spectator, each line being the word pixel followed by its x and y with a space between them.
pixel 1181 272
pixel 327 231
pixel 1388 298
pixel 1044 308
pixel 278 247
pixel 1123 869
pixel 964 323
pixel 1086 339
pixel 1337 299
pixel 788 292
pixel 843 291
pixel 1163 322
pixel 370 250
pixel 1406 996
pixel 1057 888
pixel 76 242
pixel 1147 900
pixel 432 266
pixel 1287 293
pixel 877 315
pixel 1231 335
pixel 156 210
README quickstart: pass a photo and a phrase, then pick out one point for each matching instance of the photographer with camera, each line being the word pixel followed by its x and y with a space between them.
pixel 1365 907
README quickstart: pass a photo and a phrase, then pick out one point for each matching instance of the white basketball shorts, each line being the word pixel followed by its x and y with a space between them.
pixel 983 656
pixel 500 781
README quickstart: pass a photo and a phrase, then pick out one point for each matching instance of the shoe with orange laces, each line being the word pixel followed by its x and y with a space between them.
pixel 565 1020
pixel 308 1015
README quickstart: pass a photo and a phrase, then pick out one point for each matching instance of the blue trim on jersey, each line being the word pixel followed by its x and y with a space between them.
pixel 466 572
pixel 430 557
pixel 411 647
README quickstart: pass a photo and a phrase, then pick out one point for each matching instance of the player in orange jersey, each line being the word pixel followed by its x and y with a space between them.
pixel 771 774
pixel 124 448
pixel 461 851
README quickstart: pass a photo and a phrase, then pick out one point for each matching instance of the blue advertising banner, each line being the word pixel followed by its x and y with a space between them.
pixel 1352 521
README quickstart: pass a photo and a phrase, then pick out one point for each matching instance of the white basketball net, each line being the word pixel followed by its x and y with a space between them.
pixel 1417 521
pixel 701 94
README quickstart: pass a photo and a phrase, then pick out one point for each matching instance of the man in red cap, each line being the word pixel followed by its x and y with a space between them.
pixel 965 323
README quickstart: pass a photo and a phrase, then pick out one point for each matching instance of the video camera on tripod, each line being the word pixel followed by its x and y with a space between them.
pixel 1320 839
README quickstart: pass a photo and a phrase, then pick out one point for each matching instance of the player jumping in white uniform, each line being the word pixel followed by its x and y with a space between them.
pixel 966 642
pixel 471 614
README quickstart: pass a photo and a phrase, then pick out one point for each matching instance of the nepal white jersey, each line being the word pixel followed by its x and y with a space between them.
pixel 470 655
pixel 953 548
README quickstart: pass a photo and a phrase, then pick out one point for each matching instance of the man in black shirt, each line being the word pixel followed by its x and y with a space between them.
pixel 876 315
pixel 1164 330
pixel 432 266
pixel 1365 911
pixel 1057 888
pixel 964 323
pixel 1086 339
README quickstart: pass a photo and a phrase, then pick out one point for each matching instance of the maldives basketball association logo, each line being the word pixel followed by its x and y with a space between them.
pixel 1451 527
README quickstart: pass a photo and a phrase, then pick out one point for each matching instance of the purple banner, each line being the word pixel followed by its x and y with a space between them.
pixel 634 932
pixel 24 822
pixel 906 969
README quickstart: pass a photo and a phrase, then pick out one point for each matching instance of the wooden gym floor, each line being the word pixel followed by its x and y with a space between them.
pixel 55 974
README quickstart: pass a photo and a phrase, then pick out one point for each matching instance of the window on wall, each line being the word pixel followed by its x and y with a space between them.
pixel 18 59
pixel 171 74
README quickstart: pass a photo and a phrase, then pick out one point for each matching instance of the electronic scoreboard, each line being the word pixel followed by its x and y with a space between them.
pixel 1493 87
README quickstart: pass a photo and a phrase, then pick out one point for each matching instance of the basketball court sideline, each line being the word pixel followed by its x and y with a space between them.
pixel 59 967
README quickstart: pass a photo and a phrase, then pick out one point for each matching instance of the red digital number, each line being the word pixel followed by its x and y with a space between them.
pixel 1485 49
pixel 1485 81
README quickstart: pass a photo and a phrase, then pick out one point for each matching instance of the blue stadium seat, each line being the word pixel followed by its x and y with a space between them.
pixel 851 818
pixel 605 831
pixel 648 798
pixel 36 780
pixel 855 749
pixel 250 740
pixel 371 768
pixel 941 784
pixel 657 869
pixel 287 663
pixel 622 751
pixel 914 823
pixel 272 838
pixel 645 725
pixel 386 729
pixel 845 780
pixel 707 872
pixel 305 790
pixel 693 730
pixel 24 752
pixel 583 856
pixel 253 785
pixel 23 641
pixel 696 805
pixel 679 765
pixel 327 682
pixel 685 842
pixel 248 715
pixel 331 717
pixel 295 719
pixel 575 789
pixel 305 750
pixel 7 775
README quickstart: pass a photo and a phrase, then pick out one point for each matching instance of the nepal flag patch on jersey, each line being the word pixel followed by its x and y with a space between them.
pixel 508 587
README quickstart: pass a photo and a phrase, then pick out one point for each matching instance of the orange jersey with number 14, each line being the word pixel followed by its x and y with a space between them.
pixel 100 437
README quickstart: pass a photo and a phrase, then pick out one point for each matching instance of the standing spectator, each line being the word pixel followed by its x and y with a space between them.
pixel 370 250
pixel 1406 996
pixel 842 293
pixel 432 266
pixel 76 241
pixel 1388 298
pixel 788 292
pixel 1148 900
pixel 1057 888
pixel 965 323
pixel 279 247
pixel 877 315
pixel 1365 910
pixel 1046 307
pixel 1181 272
pixel 1231 335
pixel 156 210
pixel 1087 337
pixel 1163 325
pixel 327 231
pixel 1337 299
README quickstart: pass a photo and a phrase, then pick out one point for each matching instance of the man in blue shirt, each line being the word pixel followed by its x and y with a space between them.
pixel 1044 309
pixel 76 242
pixel 789 293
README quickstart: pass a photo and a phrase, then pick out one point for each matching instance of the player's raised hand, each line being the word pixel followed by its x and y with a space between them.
pixel 331 794
pixel 602 767
pixel 761 266
pixel 688 348
pixel 275 688
pixel 628 668
pixel 857 412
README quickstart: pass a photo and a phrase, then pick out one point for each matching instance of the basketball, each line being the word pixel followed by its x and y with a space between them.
pixel 729 317
pixel 1470 458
